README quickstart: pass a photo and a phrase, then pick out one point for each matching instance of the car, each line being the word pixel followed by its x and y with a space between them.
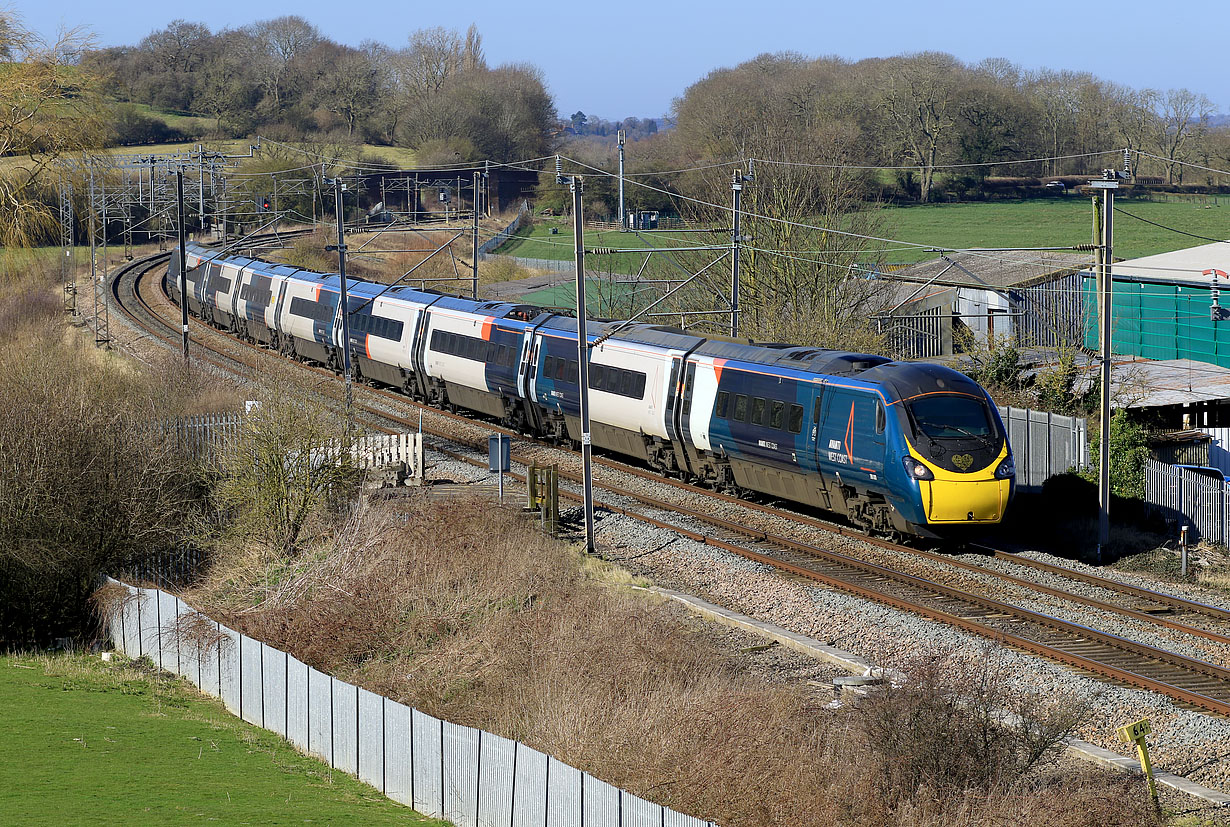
pixel 1056 185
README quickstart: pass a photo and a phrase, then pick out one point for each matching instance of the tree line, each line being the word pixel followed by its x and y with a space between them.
pixel 284 79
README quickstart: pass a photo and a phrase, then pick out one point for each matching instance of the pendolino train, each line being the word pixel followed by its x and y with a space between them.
pixel 898 448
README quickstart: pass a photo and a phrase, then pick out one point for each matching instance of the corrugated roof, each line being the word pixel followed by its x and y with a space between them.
pixel 995 270
pixel 1183 266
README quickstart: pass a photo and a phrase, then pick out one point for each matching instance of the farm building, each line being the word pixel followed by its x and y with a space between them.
pixel 965 299
pixel 1161 306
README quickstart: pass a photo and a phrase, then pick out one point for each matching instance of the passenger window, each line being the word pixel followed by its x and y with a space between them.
pixel 561 366
pixel 723 400
pixel 796 419
pixel 775 414
pixel 548 366
pixel 638 385
pixel 757 411
pixel 573 376
pixel 597 374
pixel 740 408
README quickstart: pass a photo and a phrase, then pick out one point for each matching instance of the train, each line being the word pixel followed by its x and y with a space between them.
pixel 900 449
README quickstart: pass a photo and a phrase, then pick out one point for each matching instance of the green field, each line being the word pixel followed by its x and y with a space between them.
pixel 1065 220
pixel 106 743
pixel 1056 221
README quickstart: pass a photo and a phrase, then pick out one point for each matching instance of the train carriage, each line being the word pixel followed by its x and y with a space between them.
pixel 896 447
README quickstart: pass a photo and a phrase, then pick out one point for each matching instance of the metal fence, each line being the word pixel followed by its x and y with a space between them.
pixel 465 775
pixel 1044 444
pixel 1187 498
pixel 204 437
pixel 504 234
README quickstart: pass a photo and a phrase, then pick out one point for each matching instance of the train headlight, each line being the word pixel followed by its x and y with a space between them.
pixel 1006 469
pixel 916 469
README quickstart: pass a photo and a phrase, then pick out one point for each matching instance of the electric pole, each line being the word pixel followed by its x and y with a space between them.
pixel 577 186
pixel 1104 209
pixel 736 186
pixel 622 223
pixel 474 279
pixel 338 188
pixel 183 257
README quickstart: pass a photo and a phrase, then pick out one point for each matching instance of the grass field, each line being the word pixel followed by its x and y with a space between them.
pixel 89 742
pixel 1040 223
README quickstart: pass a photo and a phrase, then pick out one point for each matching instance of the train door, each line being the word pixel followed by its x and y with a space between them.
pixel 850 438
pixel 686 446
pixel 674 413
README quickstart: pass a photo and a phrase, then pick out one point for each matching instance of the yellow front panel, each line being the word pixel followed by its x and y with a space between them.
pixel 954 502
pixel 953 497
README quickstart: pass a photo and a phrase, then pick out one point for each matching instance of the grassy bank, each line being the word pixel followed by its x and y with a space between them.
pixel 112 743
pixel 1063 220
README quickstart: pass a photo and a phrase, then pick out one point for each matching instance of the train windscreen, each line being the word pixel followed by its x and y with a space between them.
pixel 944 416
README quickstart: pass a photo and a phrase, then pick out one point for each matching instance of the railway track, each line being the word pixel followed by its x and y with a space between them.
pixel 1191 681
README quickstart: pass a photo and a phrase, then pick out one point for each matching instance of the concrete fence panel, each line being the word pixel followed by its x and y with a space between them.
pixel 495 780
pixel 427 753
pixel 168 637
pixel 601 802
pixel 563 795
pixel 130 621
pixel 150 628
pixel 398 782
pixel 229 664
pixel 297 709
pixel 529 788
pixel 251 680
pixel 638 812
pixel 211 678
pixel 371 739
pixel 461 769
pixel 320 715
pixel 345 727
pixel 274 694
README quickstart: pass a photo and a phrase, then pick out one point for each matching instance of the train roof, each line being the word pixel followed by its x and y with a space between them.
pixel 910 379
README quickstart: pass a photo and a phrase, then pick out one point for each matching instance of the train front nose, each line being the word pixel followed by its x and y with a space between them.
pixel 966 501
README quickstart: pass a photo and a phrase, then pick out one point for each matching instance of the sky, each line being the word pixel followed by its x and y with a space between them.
pixel 633 58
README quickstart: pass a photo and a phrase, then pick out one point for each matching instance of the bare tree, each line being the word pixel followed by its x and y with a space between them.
pixel 279 42
pixel 1184 118
pixel 49 108
pixel 918 95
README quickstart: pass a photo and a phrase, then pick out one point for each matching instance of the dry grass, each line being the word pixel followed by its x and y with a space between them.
pixel 466 612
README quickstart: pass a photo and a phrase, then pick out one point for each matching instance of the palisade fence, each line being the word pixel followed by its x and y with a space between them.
pixel 504 234
pixel 203 437
pixel 465 775
pixel 1184 497
pixel 1044 444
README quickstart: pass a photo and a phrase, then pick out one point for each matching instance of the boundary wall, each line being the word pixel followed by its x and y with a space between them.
pixel 465 775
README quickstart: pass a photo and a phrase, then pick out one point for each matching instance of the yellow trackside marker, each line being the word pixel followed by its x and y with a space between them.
pixel 1136 733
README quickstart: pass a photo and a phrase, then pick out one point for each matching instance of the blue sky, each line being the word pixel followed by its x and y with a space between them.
pixel 626 58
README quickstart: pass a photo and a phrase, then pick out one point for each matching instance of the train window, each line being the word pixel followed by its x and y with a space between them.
pixel 561 365
pixel 308 309
pixel 638 385
pixel 815 411
pixel 597 376
pixel 548 367
pixel 775 414
pixel 879 418
pixel 757 411
pixel 723 401
pixel 573 375
pixel 796 419
pixel 740 408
